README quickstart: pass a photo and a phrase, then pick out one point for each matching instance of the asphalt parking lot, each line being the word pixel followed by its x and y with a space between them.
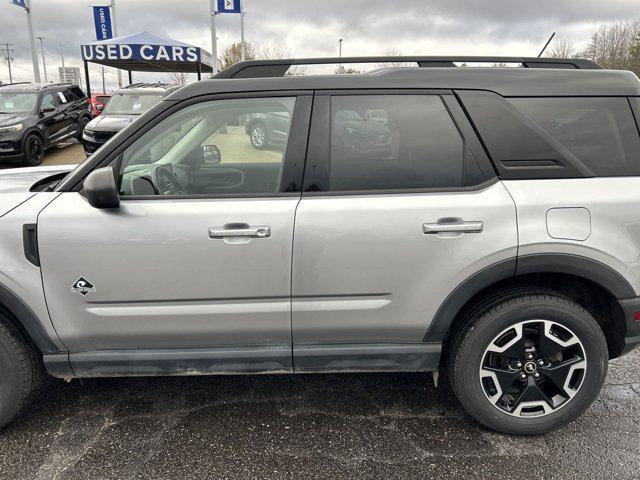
pixel 343 426
pixel 66 153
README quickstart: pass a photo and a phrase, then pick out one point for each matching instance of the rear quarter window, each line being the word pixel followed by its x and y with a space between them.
pixel 600 131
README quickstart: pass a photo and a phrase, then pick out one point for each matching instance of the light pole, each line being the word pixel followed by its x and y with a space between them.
pixel 115 33
pixel 44 62
pixel 339 49
pixel 242 49
pixel 214 41
pixel 32 43
pixel 63 77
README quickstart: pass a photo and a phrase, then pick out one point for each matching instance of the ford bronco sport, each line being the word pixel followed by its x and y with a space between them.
pixel 495 237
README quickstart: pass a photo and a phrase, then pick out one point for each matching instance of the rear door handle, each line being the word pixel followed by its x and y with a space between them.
pixel 461 227
pixel 240 230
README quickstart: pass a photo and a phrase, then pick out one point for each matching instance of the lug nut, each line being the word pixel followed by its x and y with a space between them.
pixel 536 375
pixel 519 364
pixel 523 376
pixel 541 362
pixel 529 356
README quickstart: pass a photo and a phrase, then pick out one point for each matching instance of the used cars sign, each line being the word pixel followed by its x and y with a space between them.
pixel 141 52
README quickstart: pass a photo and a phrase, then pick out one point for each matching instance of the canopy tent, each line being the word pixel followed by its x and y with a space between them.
pixel 146 52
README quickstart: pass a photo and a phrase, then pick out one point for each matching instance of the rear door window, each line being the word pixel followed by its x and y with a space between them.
pixel 62 98
pixel 600 132
pixel 393 142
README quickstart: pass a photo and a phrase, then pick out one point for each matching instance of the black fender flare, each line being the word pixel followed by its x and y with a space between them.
pixel 587 268
pixel 27 320
pixel 34 130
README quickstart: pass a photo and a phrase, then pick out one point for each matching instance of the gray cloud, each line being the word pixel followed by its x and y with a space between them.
pixel 312 27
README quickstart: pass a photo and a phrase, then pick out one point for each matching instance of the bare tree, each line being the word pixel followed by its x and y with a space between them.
pixel 179 78
pixel 611 45
pixel 634 52
pixel 278 51
pixel 341 70
pixel 561 48
pixel 392 52
pixel 233 54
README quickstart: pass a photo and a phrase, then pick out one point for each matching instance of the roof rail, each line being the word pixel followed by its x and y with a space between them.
pixel 148 85
pixel 14 83
pixel 278 68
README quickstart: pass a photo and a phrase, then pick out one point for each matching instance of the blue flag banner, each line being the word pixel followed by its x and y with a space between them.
pixel 229 6
pixel 20 3
pixel 102 20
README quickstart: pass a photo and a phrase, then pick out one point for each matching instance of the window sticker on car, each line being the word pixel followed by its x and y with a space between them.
pixel 83 286
pixel 137 106
pixel 8 104
pixel 62 97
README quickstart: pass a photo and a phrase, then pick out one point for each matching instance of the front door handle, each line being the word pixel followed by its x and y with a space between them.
pixel 240 230
pixel 460 227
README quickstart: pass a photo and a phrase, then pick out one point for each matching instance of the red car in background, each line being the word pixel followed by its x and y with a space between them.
pixel 98 101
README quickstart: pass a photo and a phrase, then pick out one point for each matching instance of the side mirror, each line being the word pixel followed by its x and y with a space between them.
pixel 48 109
pixel 211 154
pixel 99 107
pixel 100 188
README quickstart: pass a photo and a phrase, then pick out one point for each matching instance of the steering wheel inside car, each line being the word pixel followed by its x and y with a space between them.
pixel 166 182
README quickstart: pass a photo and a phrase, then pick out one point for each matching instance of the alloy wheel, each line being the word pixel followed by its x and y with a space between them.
pixel 36 150
pixel 257 136
pixel 533 368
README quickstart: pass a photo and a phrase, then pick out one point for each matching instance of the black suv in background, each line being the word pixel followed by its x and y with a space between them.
pixel 126 105
pixel 37 116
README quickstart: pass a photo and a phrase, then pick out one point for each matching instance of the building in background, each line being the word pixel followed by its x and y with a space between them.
pixel 70 75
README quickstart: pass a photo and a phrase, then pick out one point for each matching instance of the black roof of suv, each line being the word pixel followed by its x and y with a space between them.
pixel 535 77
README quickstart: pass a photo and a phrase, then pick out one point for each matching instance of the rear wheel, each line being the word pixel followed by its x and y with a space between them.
pixel 528 361
pixel 21 371
pixel 33 151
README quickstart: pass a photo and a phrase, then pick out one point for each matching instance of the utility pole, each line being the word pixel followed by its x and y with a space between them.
pixel 32 43
pixel 44 62
pixel 214 40
pixel 7 50
pixel 115 33
pixel 104 90
pixel 242 49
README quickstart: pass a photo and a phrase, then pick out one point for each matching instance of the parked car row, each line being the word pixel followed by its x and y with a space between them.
pixel 35 117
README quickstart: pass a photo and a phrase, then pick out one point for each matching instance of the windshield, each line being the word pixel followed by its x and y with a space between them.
pixel 14 102
pixel 128 103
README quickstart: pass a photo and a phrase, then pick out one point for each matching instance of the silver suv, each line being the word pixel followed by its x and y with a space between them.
pixel 490 230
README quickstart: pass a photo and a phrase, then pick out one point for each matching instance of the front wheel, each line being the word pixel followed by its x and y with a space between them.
pixel 528 361
pixel 21 371
pixel 81 126
pixel 33 151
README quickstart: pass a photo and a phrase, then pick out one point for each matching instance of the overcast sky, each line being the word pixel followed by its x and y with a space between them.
pixel 312 28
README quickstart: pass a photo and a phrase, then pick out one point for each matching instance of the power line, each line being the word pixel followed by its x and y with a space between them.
pixel 8 51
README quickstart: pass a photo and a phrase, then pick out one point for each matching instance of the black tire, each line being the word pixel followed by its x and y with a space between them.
pixel 259 137
pixel 21 371
pixel 81 126
pixel 484 322
pixel 32 150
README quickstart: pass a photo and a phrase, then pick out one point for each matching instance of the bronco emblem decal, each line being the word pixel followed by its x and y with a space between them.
pixel 83 286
